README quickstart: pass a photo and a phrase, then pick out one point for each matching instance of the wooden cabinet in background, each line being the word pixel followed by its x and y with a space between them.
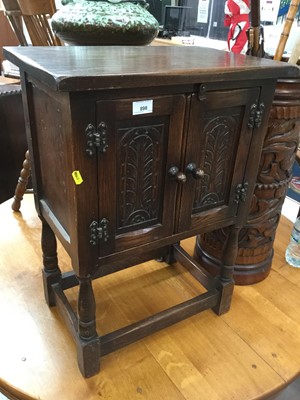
pixel 133 150
pixel 12 137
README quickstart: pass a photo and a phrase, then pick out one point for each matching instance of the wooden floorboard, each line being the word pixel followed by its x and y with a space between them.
pixel 251 352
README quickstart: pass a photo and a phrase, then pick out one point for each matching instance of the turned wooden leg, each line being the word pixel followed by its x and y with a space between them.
pixel 22 183
pixel 226 274
pixel 168 257
pixel 51 271
pixel 88 343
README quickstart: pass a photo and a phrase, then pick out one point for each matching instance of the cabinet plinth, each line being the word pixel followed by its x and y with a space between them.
pixel 133 150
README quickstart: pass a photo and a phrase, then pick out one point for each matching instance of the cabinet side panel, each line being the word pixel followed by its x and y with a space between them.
pixel 52 154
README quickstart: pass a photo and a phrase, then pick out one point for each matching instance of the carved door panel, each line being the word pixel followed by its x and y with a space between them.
pixel 137 198
pixel 219 136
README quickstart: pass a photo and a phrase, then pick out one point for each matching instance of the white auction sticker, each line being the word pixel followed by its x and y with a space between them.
pixel 142 107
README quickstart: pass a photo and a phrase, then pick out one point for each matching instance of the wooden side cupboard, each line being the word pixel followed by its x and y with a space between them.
pixel 134 149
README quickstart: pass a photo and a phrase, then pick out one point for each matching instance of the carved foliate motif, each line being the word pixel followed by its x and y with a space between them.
pixel 279 151
pixel 141 165
pixel 216 151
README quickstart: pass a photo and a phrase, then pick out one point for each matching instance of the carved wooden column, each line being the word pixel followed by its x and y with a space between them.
pixel 255 252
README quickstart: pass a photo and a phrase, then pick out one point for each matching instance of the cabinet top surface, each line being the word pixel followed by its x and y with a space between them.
pixel 72 68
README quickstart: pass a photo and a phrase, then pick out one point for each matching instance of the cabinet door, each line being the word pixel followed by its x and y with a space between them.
pixel 218 142
pixel 136 197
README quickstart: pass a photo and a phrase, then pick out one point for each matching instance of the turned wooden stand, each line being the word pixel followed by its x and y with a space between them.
pixel 133 150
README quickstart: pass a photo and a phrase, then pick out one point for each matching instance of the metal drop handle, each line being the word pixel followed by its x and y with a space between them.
pixel 175 174
pixel 197 173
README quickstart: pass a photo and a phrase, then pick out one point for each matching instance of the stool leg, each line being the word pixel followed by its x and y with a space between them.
pixel 226 282
pixel 51 271
pixel 88 341
pixel 22 183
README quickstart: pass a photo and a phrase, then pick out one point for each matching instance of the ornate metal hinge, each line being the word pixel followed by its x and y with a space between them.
pixel 240 192
pixel 96 138
pixel 256 114
pixel 99 231
pixel 202 93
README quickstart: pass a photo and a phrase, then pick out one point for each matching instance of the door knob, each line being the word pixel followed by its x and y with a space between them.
pixel 197 173
pixel 174 173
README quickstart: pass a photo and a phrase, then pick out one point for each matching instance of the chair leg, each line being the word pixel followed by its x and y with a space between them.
pixel 22 183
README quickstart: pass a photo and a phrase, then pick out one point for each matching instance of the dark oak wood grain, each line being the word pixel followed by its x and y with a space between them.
pixel 102 67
